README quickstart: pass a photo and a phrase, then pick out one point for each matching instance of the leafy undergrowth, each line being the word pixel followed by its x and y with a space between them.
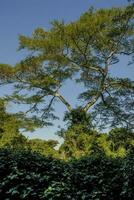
pixel 30 176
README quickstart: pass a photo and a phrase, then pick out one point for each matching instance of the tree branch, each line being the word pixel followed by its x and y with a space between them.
pixel 58 95
pixel 102 84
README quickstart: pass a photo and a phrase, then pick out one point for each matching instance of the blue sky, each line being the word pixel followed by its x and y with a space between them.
pixel 23 16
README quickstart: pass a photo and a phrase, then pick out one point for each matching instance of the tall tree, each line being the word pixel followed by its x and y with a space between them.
pixel 84 51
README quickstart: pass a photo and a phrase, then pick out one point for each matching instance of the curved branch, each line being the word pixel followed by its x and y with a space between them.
pixel 63 100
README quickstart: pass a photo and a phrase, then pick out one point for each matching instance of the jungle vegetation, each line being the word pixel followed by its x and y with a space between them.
pixel 99 133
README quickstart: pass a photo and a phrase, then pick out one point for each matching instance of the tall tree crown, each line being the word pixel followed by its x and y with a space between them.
pixel 84 51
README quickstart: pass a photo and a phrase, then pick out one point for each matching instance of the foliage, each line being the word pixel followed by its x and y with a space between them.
pixel 77 143
pixel 128 174
pixel 121 137
pixel 97 177
pixel 9 127
pixel 27 175
pixel 80 137
pixel 78 117
pixel 43 147
pixel 10 135
pixel 80 141
pixel 106 145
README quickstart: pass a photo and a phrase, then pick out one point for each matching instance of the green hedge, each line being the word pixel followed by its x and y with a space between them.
pixel 27 175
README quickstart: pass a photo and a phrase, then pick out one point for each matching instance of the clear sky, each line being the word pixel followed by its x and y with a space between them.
pixel 23 16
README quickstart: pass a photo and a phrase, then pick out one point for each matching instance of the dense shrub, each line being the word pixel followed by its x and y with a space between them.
pixel 97 177
pixel 27 175
pixel 128 174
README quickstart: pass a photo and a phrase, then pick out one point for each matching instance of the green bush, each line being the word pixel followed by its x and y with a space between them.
pixel 128 173
pixel 97 177
pixel 28 175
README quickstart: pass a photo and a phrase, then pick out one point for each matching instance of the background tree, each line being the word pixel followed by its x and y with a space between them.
pixel 11 136
pixel 79 135
pixel 43 147
pixel 121 137
pixel 10 125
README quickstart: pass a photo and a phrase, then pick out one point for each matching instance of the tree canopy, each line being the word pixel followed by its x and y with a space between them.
pixel 82 51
